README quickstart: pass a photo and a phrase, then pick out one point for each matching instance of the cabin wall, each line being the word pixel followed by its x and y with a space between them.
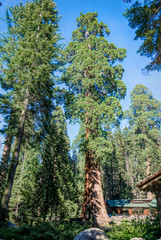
pixel 128 211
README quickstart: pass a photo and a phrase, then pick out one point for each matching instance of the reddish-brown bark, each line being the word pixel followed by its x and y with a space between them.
pixel 93 205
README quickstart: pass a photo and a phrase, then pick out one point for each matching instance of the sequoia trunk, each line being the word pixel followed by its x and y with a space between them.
pixel 93 205
pixel 14 163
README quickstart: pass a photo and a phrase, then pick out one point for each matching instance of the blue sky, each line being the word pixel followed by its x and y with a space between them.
pixel 111 13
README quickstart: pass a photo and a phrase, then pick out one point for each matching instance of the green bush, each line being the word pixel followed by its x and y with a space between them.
pixel 147 229
pixel 44 231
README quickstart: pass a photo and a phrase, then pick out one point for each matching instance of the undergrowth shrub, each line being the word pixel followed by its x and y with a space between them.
pixel 44 231
pixel 147 229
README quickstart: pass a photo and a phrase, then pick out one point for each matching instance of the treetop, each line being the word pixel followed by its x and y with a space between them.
pixel 88 25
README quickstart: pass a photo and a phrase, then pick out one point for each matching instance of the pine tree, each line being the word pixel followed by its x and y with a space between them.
pixel 95 86
pixel 35 26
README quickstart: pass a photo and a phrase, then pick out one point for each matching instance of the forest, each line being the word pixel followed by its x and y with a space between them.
pixel 47 184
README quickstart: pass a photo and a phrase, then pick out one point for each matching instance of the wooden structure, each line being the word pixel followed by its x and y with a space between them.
pixel 129 207
pixel 153 184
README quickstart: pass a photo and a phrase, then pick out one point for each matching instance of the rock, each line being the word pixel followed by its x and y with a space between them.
pixel 91 234
pixel 136 238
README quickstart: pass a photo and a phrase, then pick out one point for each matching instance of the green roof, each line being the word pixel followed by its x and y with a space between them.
pixel 139 205
pixel 126 203
pixel 153 203
pixel 118 203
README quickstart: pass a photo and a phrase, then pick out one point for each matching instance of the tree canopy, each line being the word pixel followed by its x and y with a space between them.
pixel 146 19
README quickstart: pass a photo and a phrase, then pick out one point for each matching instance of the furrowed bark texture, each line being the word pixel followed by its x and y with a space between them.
pixel 14 163
pixel 93 205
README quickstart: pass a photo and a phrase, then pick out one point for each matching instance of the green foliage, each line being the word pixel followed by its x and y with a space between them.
pixel 115 177
pixel 28 56
pixel 56 190
pixel 147 229
pixel 94 80
pixel 142 139
pixel 145 18
pixel 95 88
pixel 78 157
pixel 24 198
pixel 45 231
pixel 27 72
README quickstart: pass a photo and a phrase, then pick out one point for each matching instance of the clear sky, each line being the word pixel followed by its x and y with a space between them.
pixel 111 13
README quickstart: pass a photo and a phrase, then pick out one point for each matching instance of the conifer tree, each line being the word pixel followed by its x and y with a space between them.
pixel 94 80
pixel 143 139
pixel 56 189
pixel 34 26
pixel 145 17
pixel 115 174
pixel 23 200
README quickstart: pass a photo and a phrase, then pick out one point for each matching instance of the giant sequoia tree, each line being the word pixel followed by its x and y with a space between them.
pixel 28 72
pixel 94 80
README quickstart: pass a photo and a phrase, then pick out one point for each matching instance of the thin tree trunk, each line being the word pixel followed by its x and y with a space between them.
pixel 157 190
pixel 14 163
pixel 4 161
pixel 6 151
pixel 7 148
pixel 149 194
pixel 21 172
pixel 127 163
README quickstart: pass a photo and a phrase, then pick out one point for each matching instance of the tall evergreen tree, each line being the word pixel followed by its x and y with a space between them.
pixel 35 26
pixel 115 174
pixel 23 201
pixel 143 139
pixel 56 189
pixel 94 80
